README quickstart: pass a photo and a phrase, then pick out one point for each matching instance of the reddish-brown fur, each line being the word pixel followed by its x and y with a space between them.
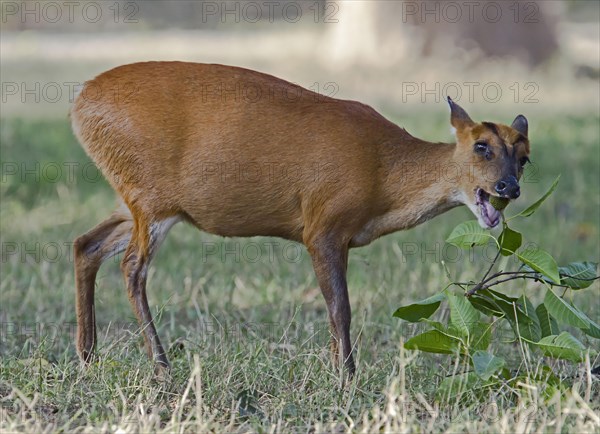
pixel 240 153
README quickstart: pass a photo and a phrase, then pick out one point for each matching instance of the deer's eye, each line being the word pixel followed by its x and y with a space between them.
pixel 523 161
pixel 483 149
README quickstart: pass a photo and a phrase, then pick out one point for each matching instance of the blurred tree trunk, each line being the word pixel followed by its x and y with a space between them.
pixel 353 38
pixel 516 28
pixel 523 29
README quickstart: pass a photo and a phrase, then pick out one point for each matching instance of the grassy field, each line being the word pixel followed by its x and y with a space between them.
pixel 245 323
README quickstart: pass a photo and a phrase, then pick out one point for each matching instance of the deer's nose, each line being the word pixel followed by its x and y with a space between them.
pixel 508 187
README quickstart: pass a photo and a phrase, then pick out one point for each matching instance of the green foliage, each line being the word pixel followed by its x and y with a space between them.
pixel 469 234
pixel 463 315
pixel 468 336
pixel 434 341
pixel 563 346
pixel 564 312
pixel 530 330
pixel 421 309
pixel 486 364
pixel 548 324
pixel 533 207
pixel 509 241
pixel 540 261
pixel 578 275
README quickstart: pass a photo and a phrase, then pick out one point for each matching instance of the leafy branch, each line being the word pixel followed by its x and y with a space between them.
pixel 531 275
pixel 467 334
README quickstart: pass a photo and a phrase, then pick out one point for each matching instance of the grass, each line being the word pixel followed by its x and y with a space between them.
pixel 244 321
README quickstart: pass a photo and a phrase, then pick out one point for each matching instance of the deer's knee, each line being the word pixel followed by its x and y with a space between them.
pixel 85 253
pixel 79 246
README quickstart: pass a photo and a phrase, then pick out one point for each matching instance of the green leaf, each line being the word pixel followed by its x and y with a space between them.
pixel 581 270
pixel 433 341
pixel 498 295
pixel 529 330
pixel 548 324
pixel 452 388
pixel 533 208
pixel 508 305
pixel 585 273
pixel 516 313
pixel 541 261
pixel 450 331
pixel 421 309
pixel 486 364
pixel 469 234
pixel 593 330
pixel 436 325
pixel 484 305
pixel 564 346
pixel 463 315
pixel 481 337
pixel 509 241
pixel 564 312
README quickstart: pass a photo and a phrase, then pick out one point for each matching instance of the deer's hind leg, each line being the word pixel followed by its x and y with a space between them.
pixel 145 241
pixel 90 250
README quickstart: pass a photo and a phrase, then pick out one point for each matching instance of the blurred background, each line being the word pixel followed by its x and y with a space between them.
pixel 497 59
pixel 399 56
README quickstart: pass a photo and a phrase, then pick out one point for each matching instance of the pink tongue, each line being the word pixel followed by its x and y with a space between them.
pixel 493 215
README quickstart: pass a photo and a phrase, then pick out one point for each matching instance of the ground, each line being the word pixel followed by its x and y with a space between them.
pixel 243 319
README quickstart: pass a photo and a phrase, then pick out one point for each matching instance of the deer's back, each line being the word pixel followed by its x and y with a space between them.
pixel 238 152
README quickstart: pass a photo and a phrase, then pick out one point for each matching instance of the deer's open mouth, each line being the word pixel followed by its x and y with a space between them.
pixel 489 215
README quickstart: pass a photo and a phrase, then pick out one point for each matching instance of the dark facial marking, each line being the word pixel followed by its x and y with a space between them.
pixel 509 159
pixel 494 129
pixel 491 126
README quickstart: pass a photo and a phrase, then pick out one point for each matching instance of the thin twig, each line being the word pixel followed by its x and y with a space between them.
pixel 503 273
pixel 482 286
pixel 483 281
pixel 518 275
pixel 491 265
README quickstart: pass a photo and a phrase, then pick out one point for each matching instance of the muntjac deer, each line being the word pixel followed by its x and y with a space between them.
pixel 174 138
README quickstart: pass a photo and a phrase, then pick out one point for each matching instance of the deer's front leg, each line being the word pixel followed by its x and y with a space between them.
pixel 330 259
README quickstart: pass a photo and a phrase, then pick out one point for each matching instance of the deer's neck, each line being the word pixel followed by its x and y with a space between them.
pixel 419 182
pixel 422 179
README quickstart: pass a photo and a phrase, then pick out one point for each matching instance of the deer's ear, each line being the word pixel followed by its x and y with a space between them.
pixel 458 117
pixel 520 124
